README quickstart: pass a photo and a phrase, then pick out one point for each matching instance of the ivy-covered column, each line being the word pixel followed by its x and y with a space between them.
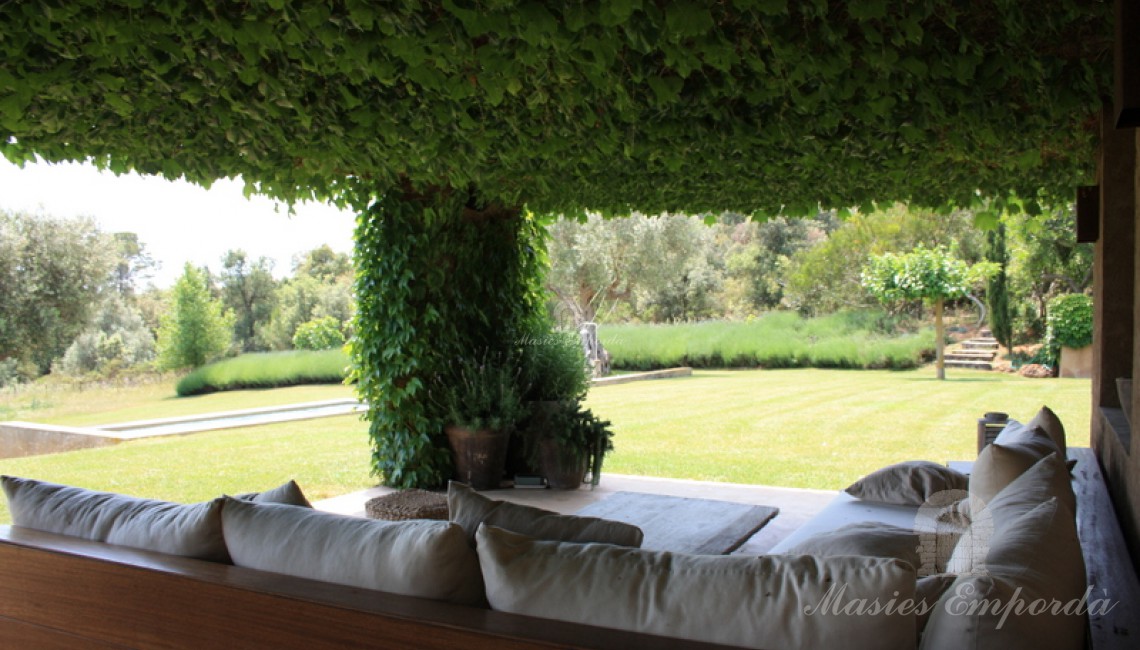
pixel 438 275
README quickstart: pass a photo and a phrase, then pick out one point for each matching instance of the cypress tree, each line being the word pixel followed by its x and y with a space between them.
pixel 997 291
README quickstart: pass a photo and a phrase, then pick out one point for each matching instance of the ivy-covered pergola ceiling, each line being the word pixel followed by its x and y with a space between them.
pixel 748 105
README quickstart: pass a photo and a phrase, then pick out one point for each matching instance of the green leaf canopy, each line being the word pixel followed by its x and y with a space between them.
pixel 758 106
pixel 929 274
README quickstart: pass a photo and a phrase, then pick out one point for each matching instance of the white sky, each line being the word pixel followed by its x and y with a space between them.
pixel 177 222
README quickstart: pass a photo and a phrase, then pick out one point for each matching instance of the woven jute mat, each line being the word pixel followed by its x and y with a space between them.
pixel 408 504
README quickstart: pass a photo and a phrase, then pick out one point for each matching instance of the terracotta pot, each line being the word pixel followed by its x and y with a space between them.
pixel 563 471
pixel 539 423
pixel 480 455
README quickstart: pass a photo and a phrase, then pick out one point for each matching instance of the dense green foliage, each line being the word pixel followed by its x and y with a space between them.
pixel 1069 323
pixel 553 366
pixel 321 286
pixel 116 339
pixel 776 340
pixel 319 334
pixel 1045 261
pixel 750 105
pixel 267 370
pixel 248 292
pixel 656 267
pixel 825 277
pixel 482 391
pixel 52 272
pixel 195 330
pixel 439 278
pixel 997 288
pixel 927 274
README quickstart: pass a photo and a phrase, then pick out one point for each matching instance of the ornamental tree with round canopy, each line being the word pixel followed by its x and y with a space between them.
pixel 449 125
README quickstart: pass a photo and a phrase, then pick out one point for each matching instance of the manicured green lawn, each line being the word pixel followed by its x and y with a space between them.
pixel 816 428
pixel 797 428
pixel 327 457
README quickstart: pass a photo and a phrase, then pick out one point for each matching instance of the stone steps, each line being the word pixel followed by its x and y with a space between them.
pixel 975 354
pixel 972 365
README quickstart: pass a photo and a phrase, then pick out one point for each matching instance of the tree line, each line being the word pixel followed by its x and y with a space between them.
pixel 77 301
pixel 677 268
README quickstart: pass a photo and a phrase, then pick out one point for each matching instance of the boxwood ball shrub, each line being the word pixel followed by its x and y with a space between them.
pixel 1069 323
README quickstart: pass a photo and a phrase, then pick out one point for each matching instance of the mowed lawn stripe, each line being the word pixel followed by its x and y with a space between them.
pixel 815 428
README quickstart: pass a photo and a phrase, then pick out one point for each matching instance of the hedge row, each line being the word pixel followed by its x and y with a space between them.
pixel 854 340
pixel 267 370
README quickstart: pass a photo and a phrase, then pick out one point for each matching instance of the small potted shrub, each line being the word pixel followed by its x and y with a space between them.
pixel 575 445
pixel 1069 334
pixel 555 374
pixel 481 399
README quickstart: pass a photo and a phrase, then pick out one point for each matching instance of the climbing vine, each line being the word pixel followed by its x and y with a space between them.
pixel 755 106
pixel 438 276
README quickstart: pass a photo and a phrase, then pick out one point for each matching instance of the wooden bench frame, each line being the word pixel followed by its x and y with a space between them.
pixel 66 593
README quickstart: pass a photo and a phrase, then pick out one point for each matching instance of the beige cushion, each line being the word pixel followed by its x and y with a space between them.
pixel 996 467
pixel 1027 437
pixel 927 593
pixel 911 483
pixel 468 508
pixel 773 601
pixel 1048 420
pixel 1028 596
pixel 1046 479
pixel 428 559
pixel 187 530
pixel 289 494
pixel 925 552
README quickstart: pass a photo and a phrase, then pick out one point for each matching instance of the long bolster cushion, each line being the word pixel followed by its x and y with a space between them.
pixel 427 559
pixel 193 530
pixel 758 602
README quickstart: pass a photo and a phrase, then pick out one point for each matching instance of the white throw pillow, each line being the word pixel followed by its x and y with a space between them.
pixel 775 601
pixel 911 483
pixel 187 530
pixel 468 508
pixel 427 559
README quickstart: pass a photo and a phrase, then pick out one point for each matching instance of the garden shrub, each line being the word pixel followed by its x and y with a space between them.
pixel 267 370
pixel 1069 323
pixel 318 334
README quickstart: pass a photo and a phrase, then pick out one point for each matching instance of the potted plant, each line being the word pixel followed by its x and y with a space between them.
pixel 555 374
pixel 574 445
pixel 481 399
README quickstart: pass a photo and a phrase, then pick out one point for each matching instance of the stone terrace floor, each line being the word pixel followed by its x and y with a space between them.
pixel 796 505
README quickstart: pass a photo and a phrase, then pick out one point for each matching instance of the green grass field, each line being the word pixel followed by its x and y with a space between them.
pixel 797 428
